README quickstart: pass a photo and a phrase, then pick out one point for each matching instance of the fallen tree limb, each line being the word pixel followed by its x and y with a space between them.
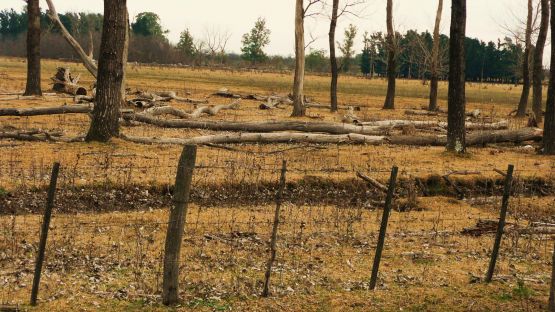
pixel 266 126
pixel 56 110
pixel 87 61
pixel 37 136
pixel 372 182
pixel 419 124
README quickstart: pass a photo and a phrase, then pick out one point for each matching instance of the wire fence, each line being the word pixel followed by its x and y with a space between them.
pixel 327 230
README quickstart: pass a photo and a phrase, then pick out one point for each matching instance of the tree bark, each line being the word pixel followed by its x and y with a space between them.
pixel 391 59
pixel 523 103
pixel 111 72
pixel 88 62
pixel 333 59
pixel 456 138
pixel 537 75
pixel 435 60
pixel 299 109
pixel 549 125
pixel 33 49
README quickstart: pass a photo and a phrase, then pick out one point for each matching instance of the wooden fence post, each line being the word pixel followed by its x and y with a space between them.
pixel 44 232
pixel 279 198
pixel 383 227
pixel 552 290
pixel 176 224
pixel 501 225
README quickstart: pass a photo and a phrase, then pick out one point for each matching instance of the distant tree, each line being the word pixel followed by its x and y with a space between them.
pixel 111 72
pixel 186 44
pixel 523 103
pixel 365 59
pixel 316 60
pixel 255 41
pixel 215 41
pixel 33 49
pixel 456 130
pixel 148 24
pixel 347 47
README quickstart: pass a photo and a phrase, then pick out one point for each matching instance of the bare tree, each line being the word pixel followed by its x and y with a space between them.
pixel 537 74
pixel 435 60
pixel 335 15
pixel 111 72
pixel 391 59
pixel 549 125
pixel 216 41
pixel 301 13
pixel 523 103
pixel 456 136
pixel 33 49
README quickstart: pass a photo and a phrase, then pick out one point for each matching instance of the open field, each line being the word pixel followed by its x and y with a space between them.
pixel 107 235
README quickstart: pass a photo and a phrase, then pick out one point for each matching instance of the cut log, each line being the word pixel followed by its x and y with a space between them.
pixel 265 126
pixel 64 82
pixel 282 137
pixel 87 61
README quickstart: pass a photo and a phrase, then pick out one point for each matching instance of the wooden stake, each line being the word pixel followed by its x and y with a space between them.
pixel 44 232
pixel 383 227
pixel 176 224
pixel 501 225
pixel 552 290
pixel 279 198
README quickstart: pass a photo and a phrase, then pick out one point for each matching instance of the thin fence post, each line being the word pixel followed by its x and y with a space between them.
pixel 552 290
pixel 383 226
pixel 279 198
pixel 44 232
pixel 176 224
pixel 501 225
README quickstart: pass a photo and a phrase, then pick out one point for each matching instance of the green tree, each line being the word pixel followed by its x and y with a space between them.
pixel 148 24
pixel 255 41
pixel 347 47
pixel 186 44
pixel 316 61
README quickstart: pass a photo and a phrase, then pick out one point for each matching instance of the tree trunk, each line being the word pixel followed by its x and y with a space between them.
pixel 111 72
pixel 523 103
pixel 456 139
pixel 391 62
pixel 298 83
pixel 333 59
pixel 549 125
pixel 537 75
pixel 435 60
pixel 33 49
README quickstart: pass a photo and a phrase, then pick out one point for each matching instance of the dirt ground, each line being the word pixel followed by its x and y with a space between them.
pixel 107 236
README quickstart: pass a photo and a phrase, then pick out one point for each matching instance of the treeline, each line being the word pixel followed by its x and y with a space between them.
pixel 490 62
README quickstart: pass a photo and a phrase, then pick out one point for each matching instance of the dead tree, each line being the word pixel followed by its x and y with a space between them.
pixel 537 74
pixel 549 125
pixel 434 68
pixel 298 83
pixel 523 103
pixel 456 138
pixel 391 59
pixel 33 49
pixel 111 72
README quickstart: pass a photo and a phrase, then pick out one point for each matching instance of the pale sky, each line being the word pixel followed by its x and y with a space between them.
pixel 485 18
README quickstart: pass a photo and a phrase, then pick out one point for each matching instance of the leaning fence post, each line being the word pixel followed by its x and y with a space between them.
pixel 383 227
pixel 552 290
pixel 273 242
pixel 44 232
pixel 176 224
pixel 501 225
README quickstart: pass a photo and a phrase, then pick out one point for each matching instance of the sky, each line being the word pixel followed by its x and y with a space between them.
pixel 486 18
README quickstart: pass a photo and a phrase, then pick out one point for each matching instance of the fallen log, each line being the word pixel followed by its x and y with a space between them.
pixel 208 110
pixel 64 82
pixel 264 127
pixel 37 136
pixel 281 137
pixel 56 110
pixel 419 124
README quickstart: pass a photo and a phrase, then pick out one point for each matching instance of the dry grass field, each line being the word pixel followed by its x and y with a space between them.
pixel 106 240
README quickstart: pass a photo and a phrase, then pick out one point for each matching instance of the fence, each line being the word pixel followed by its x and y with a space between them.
pixel 325 241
